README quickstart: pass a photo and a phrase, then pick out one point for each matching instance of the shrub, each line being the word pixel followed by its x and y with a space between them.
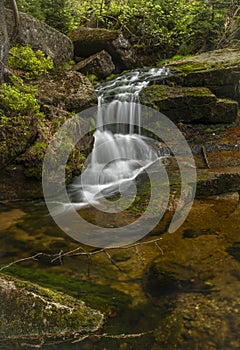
pixel 31 62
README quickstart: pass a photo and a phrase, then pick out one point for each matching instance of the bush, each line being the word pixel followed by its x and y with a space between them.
pixel 32 63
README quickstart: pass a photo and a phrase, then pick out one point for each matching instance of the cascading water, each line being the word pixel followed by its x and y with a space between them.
pixel 120 153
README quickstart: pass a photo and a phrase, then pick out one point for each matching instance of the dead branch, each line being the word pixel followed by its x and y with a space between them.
pixel 204 154
pixel 115 336
pixel 14 7
pixel 80 251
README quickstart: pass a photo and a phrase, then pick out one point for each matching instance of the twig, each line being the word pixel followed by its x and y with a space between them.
pixel 116 336
pixel 139 255
pixel 33 257
pixel 111 260
pixel 204 154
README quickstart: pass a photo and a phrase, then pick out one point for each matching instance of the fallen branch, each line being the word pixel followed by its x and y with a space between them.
pixel 204 154
pixel 79 251
pixel 109 336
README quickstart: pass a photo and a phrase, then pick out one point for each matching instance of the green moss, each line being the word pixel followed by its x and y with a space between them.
pixel 94 34
pixel 98 296
pixel 92 78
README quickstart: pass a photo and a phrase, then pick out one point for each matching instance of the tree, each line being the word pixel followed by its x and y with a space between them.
pixel 7 39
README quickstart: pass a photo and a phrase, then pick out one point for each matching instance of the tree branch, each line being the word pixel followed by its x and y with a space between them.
pixel 79 251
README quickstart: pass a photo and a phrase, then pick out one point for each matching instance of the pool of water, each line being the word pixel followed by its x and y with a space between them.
pixel 184 295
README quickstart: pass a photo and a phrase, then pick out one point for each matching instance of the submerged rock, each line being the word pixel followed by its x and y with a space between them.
pixel 189 104
pixel 41 36
pixel 29 311
pixel 100 64
pixel 89 41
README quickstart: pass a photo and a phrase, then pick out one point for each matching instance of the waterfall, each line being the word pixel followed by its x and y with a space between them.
pixel 120 153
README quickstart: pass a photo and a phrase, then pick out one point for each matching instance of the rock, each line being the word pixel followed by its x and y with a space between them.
pixel 100 64
pixel 23 146
pixel 42 37
pixel 217 70
pixel 70 90
pixel 217 182
pixel 16 138
pixel 189 104
pixel 164 278
pixel 29 311
pixel 89 41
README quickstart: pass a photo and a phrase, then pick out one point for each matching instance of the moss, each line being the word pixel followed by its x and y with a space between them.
pixel 32 310
pixel 92 78
pixel 98 296
pixel 93 34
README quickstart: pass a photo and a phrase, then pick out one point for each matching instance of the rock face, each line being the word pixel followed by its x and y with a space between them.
pixel 30 311
pixel 100 64
pixel 217 70
pixel 89 41
pixel 189 104
pixel 40 36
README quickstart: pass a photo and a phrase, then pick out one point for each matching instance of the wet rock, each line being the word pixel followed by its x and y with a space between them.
pixel 89 41
pixel 217 70
pixel 42 37
pixel 189 104
pixel 217 182
pixel 29 311
pixel 100 64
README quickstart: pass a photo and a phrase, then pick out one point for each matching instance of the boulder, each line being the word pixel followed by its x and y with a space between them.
pixel 89 41
pixel 189 104
pixel 217 70
pixel 29 311
pixel 16 138
pixel 100 64
pixel 23 143
pixel 70 91
pixel 42 37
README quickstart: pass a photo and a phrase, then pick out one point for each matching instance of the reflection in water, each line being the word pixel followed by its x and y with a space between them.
pixel 188 298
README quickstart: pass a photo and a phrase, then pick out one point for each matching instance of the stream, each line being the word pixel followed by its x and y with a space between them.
pixel 181 293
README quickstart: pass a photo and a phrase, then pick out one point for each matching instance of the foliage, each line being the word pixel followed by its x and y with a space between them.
pixel 33 63
pixel 168 26
pixel 18 99
pixel 59 14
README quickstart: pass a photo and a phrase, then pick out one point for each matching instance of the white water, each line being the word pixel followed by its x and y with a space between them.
pixel 120 153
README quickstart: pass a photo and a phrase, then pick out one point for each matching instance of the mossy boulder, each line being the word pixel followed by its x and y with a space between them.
pixel 189 104
pixel 217 70
pixel 30 311
pixel 70 91
pixel 24 139
pixel 40 36
pixel 89 41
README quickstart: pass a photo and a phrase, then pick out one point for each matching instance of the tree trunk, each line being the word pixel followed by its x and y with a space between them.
pixel 4 42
